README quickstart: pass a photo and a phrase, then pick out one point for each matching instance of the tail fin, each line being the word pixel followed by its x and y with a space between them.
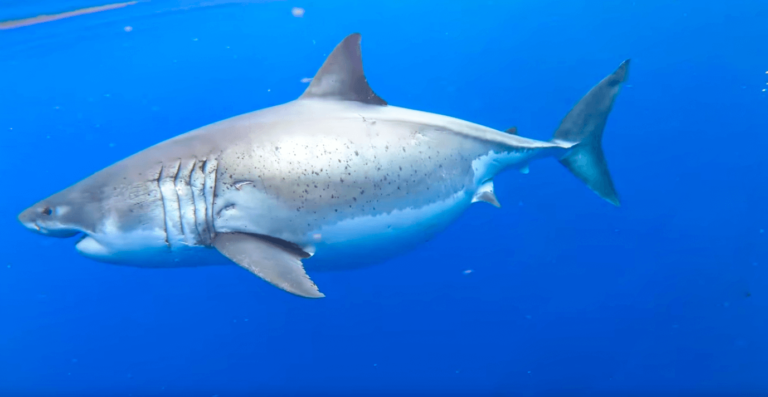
pixel 583 128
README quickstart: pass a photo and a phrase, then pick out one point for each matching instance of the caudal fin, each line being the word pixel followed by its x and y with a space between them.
pixel 583 128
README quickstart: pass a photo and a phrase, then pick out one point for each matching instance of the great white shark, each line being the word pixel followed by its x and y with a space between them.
pixel 334 179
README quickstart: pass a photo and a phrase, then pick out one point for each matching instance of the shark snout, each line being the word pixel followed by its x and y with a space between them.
pixel 42 219
pixel 28 220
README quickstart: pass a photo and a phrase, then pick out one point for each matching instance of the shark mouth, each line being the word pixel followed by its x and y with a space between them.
pixel 53 232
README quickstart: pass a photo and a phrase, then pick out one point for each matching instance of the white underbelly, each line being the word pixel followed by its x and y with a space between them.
pixel 147 248
pixel 365 240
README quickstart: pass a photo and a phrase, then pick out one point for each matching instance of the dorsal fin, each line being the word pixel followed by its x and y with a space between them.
pixel 341 77
pixel 511 130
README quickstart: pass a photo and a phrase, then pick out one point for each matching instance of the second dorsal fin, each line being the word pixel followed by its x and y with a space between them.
pixel 511 130
pixel 341 76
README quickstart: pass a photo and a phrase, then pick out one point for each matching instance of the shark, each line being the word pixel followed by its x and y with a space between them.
pixel 335 179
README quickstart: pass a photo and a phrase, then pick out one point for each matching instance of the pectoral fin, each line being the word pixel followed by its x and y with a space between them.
pixel 275 261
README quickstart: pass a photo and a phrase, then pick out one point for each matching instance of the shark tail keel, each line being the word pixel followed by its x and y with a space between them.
pixel 582 130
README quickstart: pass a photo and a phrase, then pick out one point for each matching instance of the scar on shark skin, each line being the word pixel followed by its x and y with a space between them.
pixel 239 185
pixel 225 209
pixel 17 23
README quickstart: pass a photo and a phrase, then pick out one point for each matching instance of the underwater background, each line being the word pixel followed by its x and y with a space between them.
pixel 557 293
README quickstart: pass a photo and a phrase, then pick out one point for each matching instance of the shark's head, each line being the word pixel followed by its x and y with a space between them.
pixel 113 228
pixel 62 215
pixel 49 219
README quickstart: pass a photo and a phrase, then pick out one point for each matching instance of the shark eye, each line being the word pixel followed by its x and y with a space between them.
pixel 47 211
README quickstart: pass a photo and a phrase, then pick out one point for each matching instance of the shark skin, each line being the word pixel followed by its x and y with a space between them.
pixel 335 179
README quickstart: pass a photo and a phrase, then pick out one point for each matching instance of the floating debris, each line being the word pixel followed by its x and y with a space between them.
pixel 298 12
pixel 306 80
pixel 128 28
pixel 468 271
pixel 48 18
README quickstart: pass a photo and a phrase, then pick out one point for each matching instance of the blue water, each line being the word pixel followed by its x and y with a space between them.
pixel 567 295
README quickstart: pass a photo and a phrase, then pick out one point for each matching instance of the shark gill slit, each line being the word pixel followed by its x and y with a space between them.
pixel 197 179
pixel 171 202
pixel 209 172
pixel 162 204
pixel 178 199
pixel 205 200
pixel 214 179
pixel 186 200
pixel 194 204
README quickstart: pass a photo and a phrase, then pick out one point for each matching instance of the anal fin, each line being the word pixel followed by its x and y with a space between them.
pixel 278 264
pixel 485 193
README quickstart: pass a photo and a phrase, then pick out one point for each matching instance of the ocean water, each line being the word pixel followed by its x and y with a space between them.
pixel 557 293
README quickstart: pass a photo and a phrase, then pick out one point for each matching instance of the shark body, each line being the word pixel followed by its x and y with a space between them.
pixel 335 179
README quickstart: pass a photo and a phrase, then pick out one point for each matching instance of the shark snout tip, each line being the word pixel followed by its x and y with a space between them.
pixel 27 220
